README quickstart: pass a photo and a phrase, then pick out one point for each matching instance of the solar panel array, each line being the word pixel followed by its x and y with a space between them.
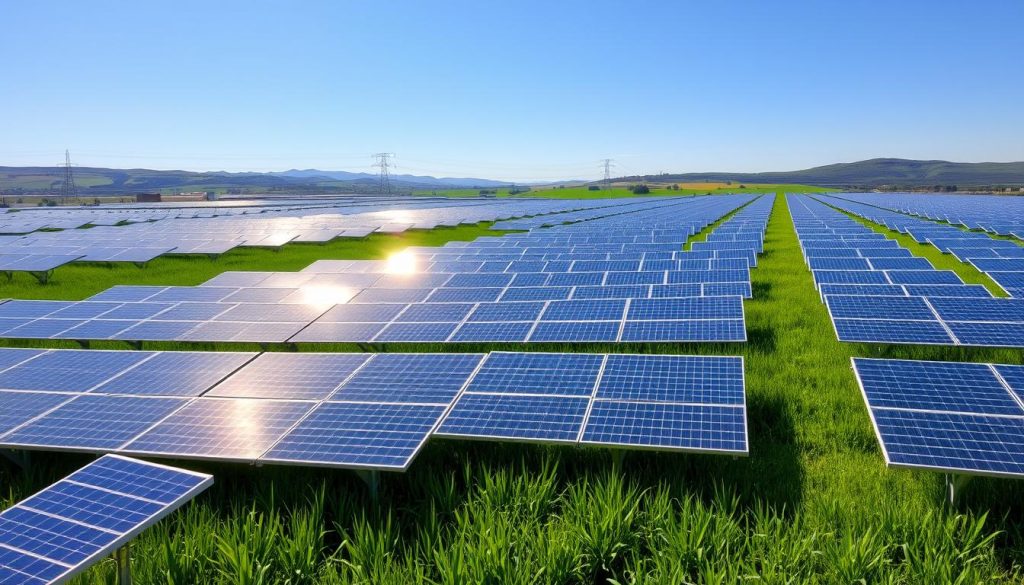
pixel 139 233
pixel 571 283
pixel 947 416
pixel 877 292
pixel 62 530
pixel 1000 259
pixel 361 411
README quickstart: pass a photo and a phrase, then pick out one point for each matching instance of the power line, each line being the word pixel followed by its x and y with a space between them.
pixel 608 164
pixel 384 163
pixel 68 189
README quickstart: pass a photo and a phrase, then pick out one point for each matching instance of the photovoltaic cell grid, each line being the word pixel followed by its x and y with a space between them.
pixel 946 416
pixel 659 402
pixel 889 299
pixel 62 530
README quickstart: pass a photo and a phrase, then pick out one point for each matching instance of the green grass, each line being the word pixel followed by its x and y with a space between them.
pixel 813 503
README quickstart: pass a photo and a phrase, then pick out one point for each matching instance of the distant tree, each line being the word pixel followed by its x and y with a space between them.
pixel 743 186
pixel 593 188
pixel 640 189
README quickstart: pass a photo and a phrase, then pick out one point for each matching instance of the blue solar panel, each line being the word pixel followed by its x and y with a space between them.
pixel 576 279
pixel 614 292
pixel 960 309
pixel 338 332
pixel 465 295
pixel 891 331
pixel 948 290
pixel 42 328
pixel 96 329
pixel 65 528
pixel 686 308
pixel 156 331
pixel 937 386
pixel 628 278
pixel 715 289
pixel 540 293
pixel 675 290
pixel 127 293
pixel 988 334
pixel 875 290
pixel 588 310
pixel 17 408
pixel 358 435
pixel 923 277
pixel 175 374
pixel 538 373
pixel 93 423
pixel 670 378
pixel 901 264
pixel 952 442
pixel 415 332
pixel 685 427
pixel 827 263
pixel 694 330
pixel 221 428
pixel 475 280
pixel 31 309
pixel 409 378
pixel 83 310
pixel 365 313
pixel 575 331
pixel 70 370
pixel 516 417
pixel 849 277
pixel 291 376
pixel 524 311
pixel 867 307
pixel 510 331
pixel 10 357
pixel 435 312
pixel 1014 378
pixel 135 311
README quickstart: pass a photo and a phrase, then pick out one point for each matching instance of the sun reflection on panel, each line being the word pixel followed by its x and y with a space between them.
pixel 325 295
pixel 401 263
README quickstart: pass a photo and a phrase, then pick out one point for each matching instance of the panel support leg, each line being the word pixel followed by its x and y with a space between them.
pixel 954 485
pixel 124 566
pixel 372 479
pixel 618 456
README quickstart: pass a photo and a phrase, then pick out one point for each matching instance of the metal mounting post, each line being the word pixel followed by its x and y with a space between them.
pixel 124 565
pixel 954 484
pixel 372 479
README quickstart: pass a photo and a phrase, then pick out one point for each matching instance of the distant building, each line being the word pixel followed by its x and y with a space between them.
pixel 148 198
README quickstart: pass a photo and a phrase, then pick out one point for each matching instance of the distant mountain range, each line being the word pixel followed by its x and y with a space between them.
pixel 879 172
pixel 875 172
pixel 102 181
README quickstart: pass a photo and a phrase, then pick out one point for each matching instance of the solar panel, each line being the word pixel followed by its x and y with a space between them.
pixel 686 308
pixel 70 370
pixel 538 373
pixel 221 428
pixel 10 357
pixel 364 313
pixel 409 378
pixel 575 331
pixel 670 378
pixel 937 386
pixel 127 293
pixel 62 530
pixel 516 417
pixel 971 443
pixel 176 374
pixel 988 334
pixel 291 376
pixel 92 423
pixel 435 312
pixel 588 310
pixel 891 331
pixel 465 295
pixel 523 311
pixel 358 435
pixel 338 332
pixel 685 427
pixel 948 290
pixel 1014 378
pixel 923 277
pixel 868 307
pixel 540 293
pixel 693 330
pixel 17 408
pixel 415 332
pixel 510 331
pixel 991 309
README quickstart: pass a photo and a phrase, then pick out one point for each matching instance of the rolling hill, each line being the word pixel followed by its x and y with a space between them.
pixel 875 172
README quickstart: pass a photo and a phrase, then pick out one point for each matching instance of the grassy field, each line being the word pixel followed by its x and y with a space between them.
pixel 618 191
pixel 813 503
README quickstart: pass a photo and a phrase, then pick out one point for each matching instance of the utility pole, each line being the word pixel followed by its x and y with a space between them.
pixel 608 163
pixel 384 163
pixel 68 190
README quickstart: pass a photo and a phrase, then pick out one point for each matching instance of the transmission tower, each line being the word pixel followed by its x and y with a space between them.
pixel 384 164
pixel 608 164
pixel 68 190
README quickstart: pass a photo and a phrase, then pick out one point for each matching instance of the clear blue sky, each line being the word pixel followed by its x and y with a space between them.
pixel 514 90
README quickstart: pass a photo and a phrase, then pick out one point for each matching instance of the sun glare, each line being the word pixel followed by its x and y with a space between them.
pixel 402 263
